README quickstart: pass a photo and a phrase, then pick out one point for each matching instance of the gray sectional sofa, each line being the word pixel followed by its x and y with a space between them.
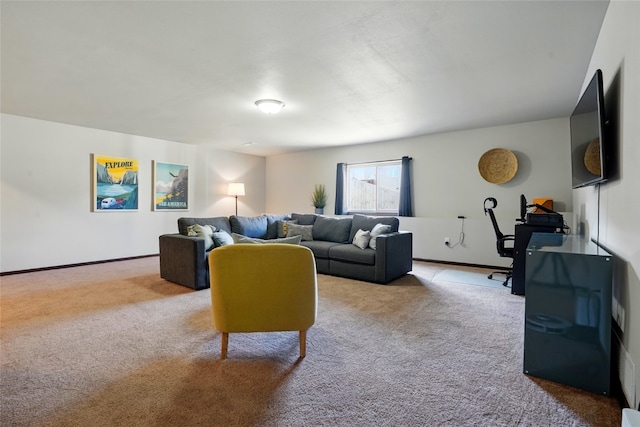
pixel 183 258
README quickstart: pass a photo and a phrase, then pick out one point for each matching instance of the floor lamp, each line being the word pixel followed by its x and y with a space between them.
pixel 236 189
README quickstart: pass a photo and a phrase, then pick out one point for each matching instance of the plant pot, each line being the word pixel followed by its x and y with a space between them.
pixel 319 211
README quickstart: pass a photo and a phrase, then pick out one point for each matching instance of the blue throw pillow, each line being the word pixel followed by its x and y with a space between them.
pixel 221 238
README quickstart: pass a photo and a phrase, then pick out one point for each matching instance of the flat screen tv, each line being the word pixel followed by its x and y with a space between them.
pixel 589 144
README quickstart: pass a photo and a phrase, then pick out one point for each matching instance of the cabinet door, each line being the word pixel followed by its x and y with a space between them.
pixel 568 319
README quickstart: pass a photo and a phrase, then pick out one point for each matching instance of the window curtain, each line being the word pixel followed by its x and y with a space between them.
pixel 339 189
pixel 405 208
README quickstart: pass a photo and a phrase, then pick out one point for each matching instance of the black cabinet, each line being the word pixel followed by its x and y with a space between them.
pixel 567 335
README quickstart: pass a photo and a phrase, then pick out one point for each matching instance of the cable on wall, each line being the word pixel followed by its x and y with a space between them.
pixel 460 236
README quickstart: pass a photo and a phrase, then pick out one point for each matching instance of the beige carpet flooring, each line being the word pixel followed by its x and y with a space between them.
pixel 115 345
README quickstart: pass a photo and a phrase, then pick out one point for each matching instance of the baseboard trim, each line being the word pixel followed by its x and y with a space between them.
pixel 80 264
pixel 57 267
pixel 462 264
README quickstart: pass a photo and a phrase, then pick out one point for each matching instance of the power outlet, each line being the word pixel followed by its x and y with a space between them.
pixel 446 241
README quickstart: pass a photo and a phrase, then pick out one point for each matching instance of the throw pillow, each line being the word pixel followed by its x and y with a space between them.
pixel 306 231
pixel 361 239
pixel 378 230
pixel 365 222
pixel 294 240
pixel 239 238
pixel 203 231
pixel 272 225
pixel 282 227
pixel 222 238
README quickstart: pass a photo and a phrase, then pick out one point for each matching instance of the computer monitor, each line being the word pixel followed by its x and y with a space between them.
pixel 523 208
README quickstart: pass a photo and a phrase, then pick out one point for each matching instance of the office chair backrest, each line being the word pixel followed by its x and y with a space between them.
pixel 489 210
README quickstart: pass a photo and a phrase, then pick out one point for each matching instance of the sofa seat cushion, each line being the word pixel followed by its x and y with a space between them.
pixel 332 229
pixel 320 248
pixel 351 253
pixel 250 226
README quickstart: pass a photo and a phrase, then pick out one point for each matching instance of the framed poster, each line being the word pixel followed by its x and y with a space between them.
pixel 170 187
pixel 115 184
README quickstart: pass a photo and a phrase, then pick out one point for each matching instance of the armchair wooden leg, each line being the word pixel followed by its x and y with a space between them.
pixel 225 345
pixel 303 343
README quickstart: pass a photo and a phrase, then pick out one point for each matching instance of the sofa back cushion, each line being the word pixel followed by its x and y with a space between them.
pixel 250 226
pixel 304 219
pixel 220 223
pixel 366 223
pixel 272 225
pixel 332 229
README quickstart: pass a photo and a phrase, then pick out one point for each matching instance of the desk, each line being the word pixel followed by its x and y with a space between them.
pixel 567 335
pixel 522 234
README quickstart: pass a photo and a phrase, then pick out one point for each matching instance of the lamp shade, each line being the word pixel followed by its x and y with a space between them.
pixel 236 189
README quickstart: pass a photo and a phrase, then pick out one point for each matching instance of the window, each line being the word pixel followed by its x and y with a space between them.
pixel 373 187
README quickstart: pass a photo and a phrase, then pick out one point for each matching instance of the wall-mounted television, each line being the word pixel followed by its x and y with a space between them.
pixel 589 142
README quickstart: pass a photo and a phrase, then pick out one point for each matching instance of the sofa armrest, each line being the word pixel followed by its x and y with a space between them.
pixel 183 260
pixel 394 256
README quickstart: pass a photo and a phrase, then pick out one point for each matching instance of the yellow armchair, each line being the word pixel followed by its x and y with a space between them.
pixel 263 288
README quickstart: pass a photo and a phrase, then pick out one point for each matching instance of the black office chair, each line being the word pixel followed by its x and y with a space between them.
pixel 504 248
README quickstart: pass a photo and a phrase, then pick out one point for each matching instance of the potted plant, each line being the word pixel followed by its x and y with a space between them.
pixel 319 198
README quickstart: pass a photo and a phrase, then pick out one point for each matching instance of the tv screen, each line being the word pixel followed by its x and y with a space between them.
pixel 588 139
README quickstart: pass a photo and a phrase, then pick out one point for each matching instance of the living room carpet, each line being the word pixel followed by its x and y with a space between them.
pixel 115 345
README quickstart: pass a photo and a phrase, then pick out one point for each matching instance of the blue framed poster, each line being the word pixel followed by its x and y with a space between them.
pixel 170 187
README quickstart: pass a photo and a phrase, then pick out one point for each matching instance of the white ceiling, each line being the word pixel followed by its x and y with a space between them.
pixel 349 72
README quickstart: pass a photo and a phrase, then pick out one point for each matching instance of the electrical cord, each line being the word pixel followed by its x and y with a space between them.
pixel 460 236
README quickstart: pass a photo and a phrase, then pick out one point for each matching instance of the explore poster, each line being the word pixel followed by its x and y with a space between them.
pixel 170 187
pixel 115 183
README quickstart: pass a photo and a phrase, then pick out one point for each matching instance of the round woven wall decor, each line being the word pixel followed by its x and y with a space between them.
pixel 498 165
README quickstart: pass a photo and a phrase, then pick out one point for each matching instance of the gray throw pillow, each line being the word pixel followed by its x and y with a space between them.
pixel 361 239
pixel 239 238
pixel 378 230
pixel 203 231
pixel 294 240
pixel 306 231
pixel 365 222
pixel 222 238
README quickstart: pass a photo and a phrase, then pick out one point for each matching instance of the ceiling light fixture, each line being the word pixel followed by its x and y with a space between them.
pixel 270 106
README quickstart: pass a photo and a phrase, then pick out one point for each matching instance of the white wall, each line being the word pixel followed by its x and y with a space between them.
pixel 446 183
pixel 617 54
pixel 45 193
